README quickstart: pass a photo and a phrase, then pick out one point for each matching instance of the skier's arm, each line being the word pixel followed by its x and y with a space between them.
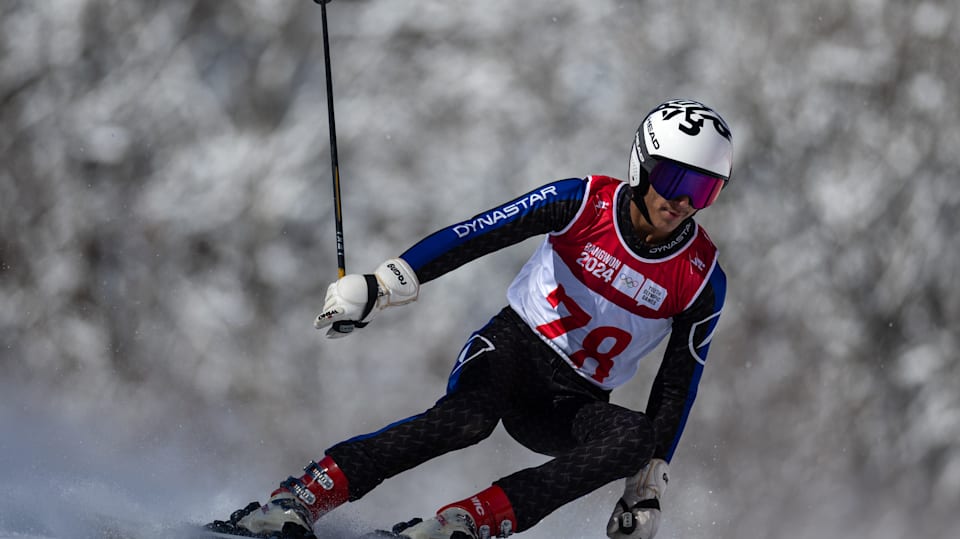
pixel 675 386
pixel 637 513
pixel 355 299
pixel 545 209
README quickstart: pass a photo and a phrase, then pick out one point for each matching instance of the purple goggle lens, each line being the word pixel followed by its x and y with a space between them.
pixel 672 180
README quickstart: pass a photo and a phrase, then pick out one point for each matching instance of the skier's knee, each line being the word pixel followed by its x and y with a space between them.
pixel 634 437
pixel 643 434
pixel 478 429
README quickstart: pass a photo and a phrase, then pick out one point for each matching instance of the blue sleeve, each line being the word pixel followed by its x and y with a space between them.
pixel 675 387
pixel 550 207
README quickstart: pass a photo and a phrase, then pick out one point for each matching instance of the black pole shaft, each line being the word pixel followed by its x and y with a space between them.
pixel 334 160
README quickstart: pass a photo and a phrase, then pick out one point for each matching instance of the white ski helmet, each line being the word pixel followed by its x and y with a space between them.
pixel 684 132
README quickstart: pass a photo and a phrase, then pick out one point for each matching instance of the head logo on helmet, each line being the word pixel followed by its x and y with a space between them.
pixel 687 135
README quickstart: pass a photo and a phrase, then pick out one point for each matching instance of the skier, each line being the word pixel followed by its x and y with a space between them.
pixel 622 266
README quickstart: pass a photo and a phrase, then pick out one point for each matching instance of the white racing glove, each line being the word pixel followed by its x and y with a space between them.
pixel 355 299
pixel 637 514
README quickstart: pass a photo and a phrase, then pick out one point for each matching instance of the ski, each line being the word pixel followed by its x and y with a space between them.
pixel 204 533
pixel 207 534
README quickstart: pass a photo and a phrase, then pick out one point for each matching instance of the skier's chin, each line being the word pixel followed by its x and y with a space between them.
pixel 671 219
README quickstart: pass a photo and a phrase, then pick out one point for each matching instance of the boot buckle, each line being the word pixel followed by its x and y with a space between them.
pixel 319 475
pixel 299 490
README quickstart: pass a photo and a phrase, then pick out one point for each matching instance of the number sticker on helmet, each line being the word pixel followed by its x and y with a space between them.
pixel 695 114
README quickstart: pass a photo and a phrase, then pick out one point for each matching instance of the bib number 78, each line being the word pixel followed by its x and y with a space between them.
pixel 579 318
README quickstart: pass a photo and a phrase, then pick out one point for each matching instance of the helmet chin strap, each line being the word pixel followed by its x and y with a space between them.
pixel 637 196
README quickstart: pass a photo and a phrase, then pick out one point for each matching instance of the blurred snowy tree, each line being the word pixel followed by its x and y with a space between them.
pixel 166 229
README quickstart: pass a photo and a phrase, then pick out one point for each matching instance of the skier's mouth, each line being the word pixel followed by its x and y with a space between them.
pixel 673 215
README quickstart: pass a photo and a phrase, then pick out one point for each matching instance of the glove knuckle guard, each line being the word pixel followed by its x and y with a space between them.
pixel 353 289
pixel 349 301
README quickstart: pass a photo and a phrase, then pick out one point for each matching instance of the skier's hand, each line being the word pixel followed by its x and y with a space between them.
pixel 354 300
pixel 637 514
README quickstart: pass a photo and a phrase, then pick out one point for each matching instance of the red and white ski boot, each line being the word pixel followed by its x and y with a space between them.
pixel 482 516
pixel 293 508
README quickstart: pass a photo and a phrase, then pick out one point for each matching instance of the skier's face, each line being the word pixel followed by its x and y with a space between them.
pixel 666 215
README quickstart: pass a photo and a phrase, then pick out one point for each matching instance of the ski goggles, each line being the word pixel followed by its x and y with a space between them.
pixel 671 180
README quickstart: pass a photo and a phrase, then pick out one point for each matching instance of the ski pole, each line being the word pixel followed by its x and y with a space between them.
pixel 345 327
pixel 334 161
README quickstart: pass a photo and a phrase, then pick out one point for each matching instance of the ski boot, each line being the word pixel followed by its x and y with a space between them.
pixel 482 516
pixel 293 508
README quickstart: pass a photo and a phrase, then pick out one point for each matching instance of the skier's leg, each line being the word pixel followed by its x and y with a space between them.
pixel 467 414
pixel 550 410
pixel 593 442
pixel 612 442
pixel 458 420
